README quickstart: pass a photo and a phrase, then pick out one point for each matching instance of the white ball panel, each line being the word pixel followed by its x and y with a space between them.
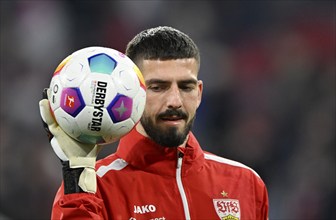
pixel 55 92
pixel 126 80
pixel 94 122
pixel 98 86
pixel 86 51
pixel 67 123
pixel 139 102
pixel 118 130
pixel 75 71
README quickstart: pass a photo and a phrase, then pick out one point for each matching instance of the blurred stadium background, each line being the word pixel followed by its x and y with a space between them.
pixel 269 97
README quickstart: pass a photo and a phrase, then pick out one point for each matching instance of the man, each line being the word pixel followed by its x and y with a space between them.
pixel 159 171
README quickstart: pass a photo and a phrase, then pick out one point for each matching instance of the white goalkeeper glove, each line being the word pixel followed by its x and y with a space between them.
pixel 78 159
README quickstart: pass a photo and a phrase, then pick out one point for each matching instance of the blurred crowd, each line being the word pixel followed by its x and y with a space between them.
pixel 268 69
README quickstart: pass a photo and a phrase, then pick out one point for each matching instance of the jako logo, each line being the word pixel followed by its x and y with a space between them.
pixel 144 209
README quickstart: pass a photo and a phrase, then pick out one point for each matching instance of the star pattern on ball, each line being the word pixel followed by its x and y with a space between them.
pixel 122 109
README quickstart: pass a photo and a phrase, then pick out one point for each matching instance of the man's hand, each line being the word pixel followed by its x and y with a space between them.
pixel 71 151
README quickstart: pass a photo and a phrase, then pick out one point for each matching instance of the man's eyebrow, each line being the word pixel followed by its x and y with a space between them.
pixel 188 81
pixel 160 81
pixel 151 81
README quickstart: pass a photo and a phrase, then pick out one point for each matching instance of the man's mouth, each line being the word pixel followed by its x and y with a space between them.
pixel 173 116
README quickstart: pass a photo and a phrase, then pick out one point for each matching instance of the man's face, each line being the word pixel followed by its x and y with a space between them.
pixel 173 96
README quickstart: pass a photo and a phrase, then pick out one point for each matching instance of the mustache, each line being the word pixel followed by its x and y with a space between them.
pixel 173 112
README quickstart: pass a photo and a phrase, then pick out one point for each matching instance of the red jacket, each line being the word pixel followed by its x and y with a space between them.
pixel 143 180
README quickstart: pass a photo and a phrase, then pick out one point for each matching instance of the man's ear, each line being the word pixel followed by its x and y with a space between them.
pixel 200 92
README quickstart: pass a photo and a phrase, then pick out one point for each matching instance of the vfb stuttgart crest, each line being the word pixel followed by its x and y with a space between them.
pixel 227 209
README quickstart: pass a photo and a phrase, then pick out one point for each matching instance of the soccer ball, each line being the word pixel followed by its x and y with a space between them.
pixel 97 95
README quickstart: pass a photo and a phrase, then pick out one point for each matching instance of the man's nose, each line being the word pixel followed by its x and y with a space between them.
pixel 174 99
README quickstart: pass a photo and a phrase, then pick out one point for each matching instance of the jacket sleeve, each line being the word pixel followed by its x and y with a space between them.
pixel 77 206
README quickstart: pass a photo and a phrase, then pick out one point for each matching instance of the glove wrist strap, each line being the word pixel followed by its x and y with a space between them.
pixel 71 178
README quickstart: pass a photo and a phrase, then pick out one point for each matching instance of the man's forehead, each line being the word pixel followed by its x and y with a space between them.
pixel 185 62
pixel 170 70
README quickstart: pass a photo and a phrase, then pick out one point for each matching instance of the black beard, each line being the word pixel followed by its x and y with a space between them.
pixel 167 137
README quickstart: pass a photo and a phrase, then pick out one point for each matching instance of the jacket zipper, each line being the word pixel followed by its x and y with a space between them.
pixel 180 185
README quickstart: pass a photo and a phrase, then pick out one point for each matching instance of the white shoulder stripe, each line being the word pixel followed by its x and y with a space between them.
pixel 117 164
pixel 227 161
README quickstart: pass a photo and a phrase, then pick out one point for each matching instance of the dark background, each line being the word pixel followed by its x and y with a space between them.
pixel 269 90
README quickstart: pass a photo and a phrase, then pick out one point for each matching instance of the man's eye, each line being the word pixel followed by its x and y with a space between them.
pixel 155 88
pixel 187 88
